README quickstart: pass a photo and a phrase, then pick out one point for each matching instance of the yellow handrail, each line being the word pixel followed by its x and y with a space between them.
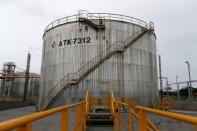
pixel 144 122
pixel 151 126
pixel 24 123
pixel 144 110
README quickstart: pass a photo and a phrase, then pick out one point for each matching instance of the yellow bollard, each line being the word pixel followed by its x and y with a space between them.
pixel 142 120
pixel 27 127
pixel 64 120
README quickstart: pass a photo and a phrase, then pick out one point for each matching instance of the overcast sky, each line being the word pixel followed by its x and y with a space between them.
pixel 22 23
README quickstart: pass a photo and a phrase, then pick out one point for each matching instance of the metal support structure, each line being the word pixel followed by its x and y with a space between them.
pixel 7 77
pixel 27 76
pixel 188 89
pixel 167 84
pixel 190 83
pixel 178 93
pixel 160 77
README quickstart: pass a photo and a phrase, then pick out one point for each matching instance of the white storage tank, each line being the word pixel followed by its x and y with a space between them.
pixel 33 86
pixel 81 47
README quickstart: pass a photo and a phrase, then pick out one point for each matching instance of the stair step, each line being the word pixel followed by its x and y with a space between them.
pixel 99 121
pixel 99 118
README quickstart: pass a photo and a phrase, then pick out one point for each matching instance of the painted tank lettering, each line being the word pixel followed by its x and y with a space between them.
pixel 74 40
pixel 54 44
pixel 65 41
pixel 88 40
pixel 79 40
pixel 60 43
pixel 69 42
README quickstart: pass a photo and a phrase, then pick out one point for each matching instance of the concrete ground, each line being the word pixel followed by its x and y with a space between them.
pixel 16 112
pixel 52 122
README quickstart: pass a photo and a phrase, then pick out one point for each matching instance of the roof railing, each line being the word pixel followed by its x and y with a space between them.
pixel 86 14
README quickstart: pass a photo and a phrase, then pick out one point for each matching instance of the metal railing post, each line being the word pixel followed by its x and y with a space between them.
pixel 27 127
pixel 79 118
pixel 84 116
pixel 142 120
pixel 130 120
pixel 114 126
pixel 64 120
pixel 195 127
pixel 119 107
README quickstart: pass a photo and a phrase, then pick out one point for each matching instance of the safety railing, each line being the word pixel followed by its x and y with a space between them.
pixel 86 14
pixel 143 111
pixel 111 101
pixel 132 111
pixel 81 72
pixel 24 123
pixel 116 106
pixel 140 113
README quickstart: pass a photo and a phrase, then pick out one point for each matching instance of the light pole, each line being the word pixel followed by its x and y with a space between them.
pixel 190 84
pixel 167 85
pixel 160 77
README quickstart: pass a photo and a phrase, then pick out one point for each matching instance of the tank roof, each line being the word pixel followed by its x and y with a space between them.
pixel 105 16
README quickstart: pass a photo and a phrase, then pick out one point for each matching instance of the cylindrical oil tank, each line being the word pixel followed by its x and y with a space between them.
pixel 71 42
pixel 17 91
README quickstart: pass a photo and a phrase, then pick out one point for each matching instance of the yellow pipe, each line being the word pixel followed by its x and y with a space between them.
pixel 18 122
pixel 180 117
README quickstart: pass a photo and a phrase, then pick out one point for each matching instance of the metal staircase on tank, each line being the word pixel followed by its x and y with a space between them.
pixel 99 26
pixel 75 78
